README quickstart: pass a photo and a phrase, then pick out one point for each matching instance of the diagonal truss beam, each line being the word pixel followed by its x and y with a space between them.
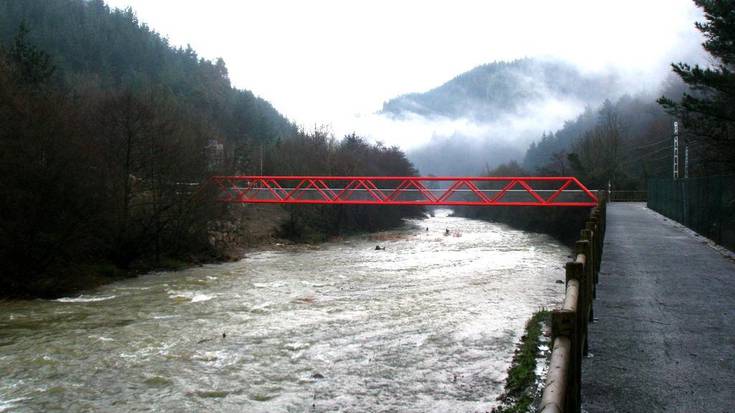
pixel 541 191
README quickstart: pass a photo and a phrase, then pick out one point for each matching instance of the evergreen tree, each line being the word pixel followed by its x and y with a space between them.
pixel 33 66
pixel 707 111
pixel 103 148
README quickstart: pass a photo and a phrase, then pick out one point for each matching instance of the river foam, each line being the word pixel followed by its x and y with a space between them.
pixel 428 324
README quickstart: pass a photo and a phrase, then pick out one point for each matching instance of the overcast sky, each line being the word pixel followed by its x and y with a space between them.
pixel 323 61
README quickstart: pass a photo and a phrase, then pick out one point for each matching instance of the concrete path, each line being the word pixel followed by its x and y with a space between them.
pixel 664 339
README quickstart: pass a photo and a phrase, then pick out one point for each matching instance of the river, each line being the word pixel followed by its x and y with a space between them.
pixel 428 324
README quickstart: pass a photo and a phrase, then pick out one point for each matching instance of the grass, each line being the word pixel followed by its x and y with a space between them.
pixel 521 384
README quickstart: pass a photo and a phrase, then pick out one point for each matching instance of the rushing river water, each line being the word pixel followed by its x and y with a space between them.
pixel 428 324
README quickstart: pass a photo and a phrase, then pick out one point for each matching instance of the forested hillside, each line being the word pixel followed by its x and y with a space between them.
pixel 621 143
pixel 494 111
pixel 107 135
pixel 630 140
pixel 624 143
pixel 95 48
pixel 498 89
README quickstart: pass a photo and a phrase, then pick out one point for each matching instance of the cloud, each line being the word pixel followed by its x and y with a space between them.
pixel 335 62
pixel 318 61
pixel 412 130
pixel 450 146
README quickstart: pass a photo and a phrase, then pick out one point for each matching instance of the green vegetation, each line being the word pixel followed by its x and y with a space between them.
pixel 622 143
pixel 522 384
pixel 626 142
pixel 107 133
pixel 707 108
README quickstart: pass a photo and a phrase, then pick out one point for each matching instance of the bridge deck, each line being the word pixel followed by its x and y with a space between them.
pixel 665 335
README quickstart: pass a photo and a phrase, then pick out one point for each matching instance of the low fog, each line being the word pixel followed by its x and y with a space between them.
pixel 441 145
pixel 337 63
pixel 490 114
pixel 487 116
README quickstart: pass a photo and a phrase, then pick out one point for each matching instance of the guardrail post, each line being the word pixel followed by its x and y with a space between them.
pixel 590 231
pixel 583 247
pixel 597 228
pixel 575 271
pixel 563 324
pixel 603 214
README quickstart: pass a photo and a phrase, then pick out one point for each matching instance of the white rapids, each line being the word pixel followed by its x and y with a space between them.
pixel 429 323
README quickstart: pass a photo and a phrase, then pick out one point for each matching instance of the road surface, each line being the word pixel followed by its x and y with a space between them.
pixel 664 339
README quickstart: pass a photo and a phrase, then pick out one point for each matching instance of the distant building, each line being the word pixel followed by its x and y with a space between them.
pixel 215 154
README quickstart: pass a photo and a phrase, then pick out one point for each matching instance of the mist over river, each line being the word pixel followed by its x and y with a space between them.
pixel 428 324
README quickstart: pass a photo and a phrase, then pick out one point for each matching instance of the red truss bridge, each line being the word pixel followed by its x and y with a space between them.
pixel 405 190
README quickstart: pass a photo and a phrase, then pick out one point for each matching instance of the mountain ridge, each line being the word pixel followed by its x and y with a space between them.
pixel 492 90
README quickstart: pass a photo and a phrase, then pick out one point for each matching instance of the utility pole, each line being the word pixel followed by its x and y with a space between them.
pixel 676 150
pixel 686 159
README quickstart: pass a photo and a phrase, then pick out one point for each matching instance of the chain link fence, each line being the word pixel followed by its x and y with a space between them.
pixel 705 204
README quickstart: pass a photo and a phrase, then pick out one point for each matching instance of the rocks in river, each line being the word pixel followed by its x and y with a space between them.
pixel 559 282
pixel 204 340
pixel 317 376
pixel 309 299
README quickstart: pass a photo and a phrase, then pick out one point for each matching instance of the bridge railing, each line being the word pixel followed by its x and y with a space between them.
pixel 569 324
pixel 540 191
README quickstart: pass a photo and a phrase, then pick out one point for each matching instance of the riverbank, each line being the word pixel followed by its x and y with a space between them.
pixel 242 230
pixel 524 383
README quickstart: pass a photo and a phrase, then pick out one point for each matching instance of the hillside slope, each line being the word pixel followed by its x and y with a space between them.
pixel 492 90
pixel 95 47
pixel 490 114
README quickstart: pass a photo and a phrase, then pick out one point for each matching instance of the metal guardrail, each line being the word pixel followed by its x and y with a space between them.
pixel 569 325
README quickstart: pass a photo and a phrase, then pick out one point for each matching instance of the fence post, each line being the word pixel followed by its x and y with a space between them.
pixel 602 207
pixel 563 325
pixel 595 220
pixel 575 271
pixel 583 247
pixel 586 235
pixel 591 231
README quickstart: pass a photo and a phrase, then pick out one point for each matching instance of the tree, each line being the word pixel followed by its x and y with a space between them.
pixel 597 157
pixel 49 209
pixel 707 110
pixel 33 66
pixel 103 134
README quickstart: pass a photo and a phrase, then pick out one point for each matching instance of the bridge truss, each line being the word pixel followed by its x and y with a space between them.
pixel 405 190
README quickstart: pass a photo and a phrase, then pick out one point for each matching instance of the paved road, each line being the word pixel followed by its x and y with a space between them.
pixel 665 335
